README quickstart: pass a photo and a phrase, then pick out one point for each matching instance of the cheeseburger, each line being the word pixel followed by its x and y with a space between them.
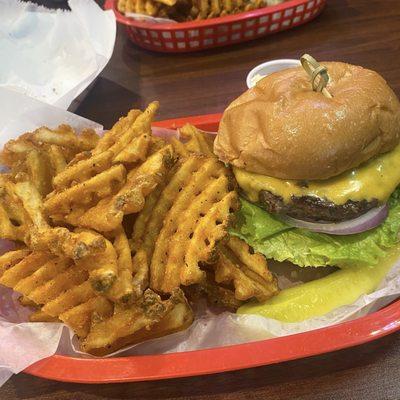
pixel 318 173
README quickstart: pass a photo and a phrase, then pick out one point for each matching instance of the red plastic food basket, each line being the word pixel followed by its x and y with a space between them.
pixel 199 35
pixel 220 359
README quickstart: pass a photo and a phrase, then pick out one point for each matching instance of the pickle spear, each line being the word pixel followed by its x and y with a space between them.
pixel 316 298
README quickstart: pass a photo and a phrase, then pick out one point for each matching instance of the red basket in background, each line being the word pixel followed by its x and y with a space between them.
pixel 205 34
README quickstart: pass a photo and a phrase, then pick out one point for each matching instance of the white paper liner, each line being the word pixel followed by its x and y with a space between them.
pixel 53 55
pixel 23 343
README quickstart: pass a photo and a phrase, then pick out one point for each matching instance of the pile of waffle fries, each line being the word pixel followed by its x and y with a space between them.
pixel 189 10
pixel 118 236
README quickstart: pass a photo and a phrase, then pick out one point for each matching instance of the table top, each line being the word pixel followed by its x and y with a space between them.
pixel 365 32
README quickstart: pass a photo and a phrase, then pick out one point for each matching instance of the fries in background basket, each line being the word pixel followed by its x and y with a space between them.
pixel 188 10
pixel 114 232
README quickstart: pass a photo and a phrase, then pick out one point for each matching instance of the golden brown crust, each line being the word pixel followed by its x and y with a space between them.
pixel 282 128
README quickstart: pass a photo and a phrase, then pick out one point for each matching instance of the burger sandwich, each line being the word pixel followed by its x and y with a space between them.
pixel 318 170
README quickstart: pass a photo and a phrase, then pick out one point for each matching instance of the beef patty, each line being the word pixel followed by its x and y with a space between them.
pixel 314 209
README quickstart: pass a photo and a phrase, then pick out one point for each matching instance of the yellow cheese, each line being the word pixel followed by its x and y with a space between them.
pixel 376 179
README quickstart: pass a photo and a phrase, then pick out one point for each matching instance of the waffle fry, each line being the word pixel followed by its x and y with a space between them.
pixel 57 159
pixel 247 271
pixel 216 295
pixel 102 267
pixel 62 242
pixel 107 215
pixel 150 221
pixel 144 233
pixel 9 259
pixel 62 290
pixel 15 221
pixel 186 234
pixel 81 170
pixel 193 141
pixel 40 316
pixel 38 156
pixel 65 136
pixel 83 316
pixel 114 332
pixel 170 266
pixel 85 193
pixel 122 289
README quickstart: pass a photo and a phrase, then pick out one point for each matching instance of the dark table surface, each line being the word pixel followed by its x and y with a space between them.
pixel 365 32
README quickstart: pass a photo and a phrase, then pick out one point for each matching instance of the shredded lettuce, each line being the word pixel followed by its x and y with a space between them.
pixel 277 240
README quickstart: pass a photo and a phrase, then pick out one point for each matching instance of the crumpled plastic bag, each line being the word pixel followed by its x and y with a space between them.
pixel 53 55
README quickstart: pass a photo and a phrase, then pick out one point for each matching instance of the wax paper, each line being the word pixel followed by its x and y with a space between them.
pixel 53 55
pixel 23 343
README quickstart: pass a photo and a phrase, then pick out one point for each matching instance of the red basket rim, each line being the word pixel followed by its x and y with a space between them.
pixel 219 359
pixel 111 5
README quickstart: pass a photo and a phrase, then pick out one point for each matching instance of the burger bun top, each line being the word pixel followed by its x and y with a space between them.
pixel 282 128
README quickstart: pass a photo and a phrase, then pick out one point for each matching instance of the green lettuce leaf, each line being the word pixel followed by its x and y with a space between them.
pixel 277 240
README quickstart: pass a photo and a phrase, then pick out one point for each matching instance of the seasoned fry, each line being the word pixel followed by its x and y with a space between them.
pixel 98 187
pixel 61 289
pixel 70 298
pixel 122 289
pixel 194 141
pixel 207 233
pixel 62 242
pixel 179 148
pixel 40 316
pixel 248 272
pixel 65 136
pixel 102 267
pixel 135 151
pixel 140 182
pixel 82 170
pixel 32 203
pixel 27 266
pixel 143 236
pixel 217 295
pixel 141 273
pixel 177 181
pixel 57 158
pixel 59 283
pixel 128 325
pixel 9 259
pixel 81 317
pixel 198 141
pixel 115 132
pixel 19 209
pixel 14 151
pixel 168 256
pixel 48 271
pixel 142 124
pixel 39 168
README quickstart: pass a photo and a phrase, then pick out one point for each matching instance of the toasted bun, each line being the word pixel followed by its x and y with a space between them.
pixel 283 129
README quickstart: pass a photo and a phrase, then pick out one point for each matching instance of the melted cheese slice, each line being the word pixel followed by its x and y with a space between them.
pixel 376 179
